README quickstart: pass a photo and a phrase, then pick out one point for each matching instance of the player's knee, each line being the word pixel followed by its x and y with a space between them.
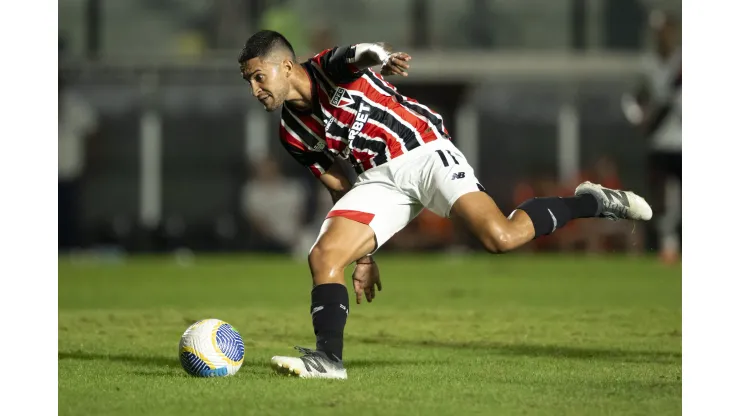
pixel 498 241
pixel 325 261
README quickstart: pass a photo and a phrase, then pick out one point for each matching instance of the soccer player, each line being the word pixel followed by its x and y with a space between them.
pixel 656 109
pixel 334 106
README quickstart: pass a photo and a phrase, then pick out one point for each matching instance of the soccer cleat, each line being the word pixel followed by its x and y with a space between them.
pixel 313 364
pixel 617 204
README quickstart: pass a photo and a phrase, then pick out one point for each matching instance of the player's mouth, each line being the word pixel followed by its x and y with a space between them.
pixel 263 98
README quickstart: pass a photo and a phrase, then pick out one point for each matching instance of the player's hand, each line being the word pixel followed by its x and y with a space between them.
pixel 364 279
pixel 397 64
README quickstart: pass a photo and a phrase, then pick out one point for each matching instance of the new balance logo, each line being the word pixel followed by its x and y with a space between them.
pixel 313 363
pixel 318 147
pixel 458 175
pixel 621 196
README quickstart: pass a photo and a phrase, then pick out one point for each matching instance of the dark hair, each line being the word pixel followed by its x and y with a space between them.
pixel 263 43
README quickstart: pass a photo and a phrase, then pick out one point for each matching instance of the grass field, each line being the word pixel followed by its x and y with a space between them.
pixel 494 335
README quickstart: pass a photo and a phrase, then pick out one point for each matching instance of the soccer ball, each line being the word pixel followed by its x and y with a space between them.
pixel 211 348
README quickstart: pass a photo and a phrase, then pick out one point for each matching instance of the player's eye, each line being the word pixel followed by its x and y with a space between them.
pixel 259 78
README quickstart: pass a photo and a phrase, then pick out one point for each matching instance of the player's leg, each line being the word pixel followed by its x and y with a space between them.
pixel 342 240
pixel 454 191
pixel 666 184
pixel 361 222
pixel 542 216
pixel 534 218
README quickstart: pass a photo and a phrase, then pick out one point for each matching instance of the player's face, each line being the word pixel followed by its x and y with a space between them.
pixel 268 81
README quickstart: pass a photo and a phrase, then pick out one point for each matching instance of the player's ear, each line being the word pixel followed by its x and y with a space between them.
pixel 288 67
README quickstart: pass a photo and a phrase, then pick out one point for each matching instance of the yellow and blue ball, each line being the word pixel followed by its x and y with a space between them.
pixel 211 348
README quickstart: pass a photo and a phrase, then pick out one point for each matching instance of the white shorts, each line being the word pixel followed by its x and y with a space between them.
pixel 389 196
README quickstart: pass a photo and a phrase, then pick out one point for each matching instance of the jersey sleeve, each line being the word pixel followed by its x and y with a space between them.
pixel 317 162
pixel 336 63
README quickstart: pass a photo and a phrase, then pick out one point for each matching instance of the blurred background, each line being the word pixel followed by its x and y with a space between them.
pixel 163 149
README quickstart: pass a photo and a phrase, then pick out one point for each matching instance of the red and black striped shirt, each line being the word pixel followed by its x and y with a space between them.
pixel 355 115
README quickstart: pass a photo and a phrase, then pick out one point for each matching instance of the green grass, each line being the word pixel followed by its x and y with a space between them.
pixel 493 335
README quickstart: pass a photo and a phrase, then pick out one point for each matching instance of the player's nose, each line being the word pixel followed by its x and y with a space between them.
pixel 255 90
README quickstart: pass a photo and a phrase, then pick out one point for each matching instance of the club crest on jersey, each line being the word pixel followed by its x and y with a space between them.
pixel 341 98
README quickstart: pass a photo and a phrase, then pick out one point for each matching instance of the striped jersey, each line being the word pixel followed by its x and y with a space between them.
pixel 664 78
pixel 356 115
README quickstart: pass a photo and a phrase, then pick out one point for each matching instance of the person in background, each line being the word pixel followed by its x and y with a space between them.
pixel 655 108
pixel 273 206
pixel 78 124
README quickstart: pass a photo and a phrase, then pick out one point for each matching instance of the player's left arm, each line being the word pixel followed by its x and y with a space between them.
pixel 347 63
pixel 336 181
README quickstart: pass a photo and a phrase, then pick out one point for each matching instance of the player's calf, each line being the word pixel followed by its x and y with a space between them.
pixel 590 201
pixel 548 214
pixel 329 311
pixel 537 217
pixel 329 297
pixel 533 218
pixel 505 235
pixel 340 242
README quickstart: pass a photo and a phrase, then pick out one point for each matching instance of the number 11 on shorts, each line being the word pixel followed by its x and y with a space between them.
pixel 444 158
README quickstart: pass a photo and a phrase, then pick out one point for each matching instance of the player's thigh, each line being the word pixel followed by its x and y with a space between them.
pixel 480 214
pixel 340 242
pixel 376 212
pixel 445 176
pixel 451 189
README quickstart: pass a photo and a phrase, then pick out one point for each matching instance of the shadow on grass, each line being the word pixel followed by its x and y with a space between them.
pixel 157 366
pixel 535 350
pixel 149 360
pixel 144 360
pixel 370 363
pixel 166 366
